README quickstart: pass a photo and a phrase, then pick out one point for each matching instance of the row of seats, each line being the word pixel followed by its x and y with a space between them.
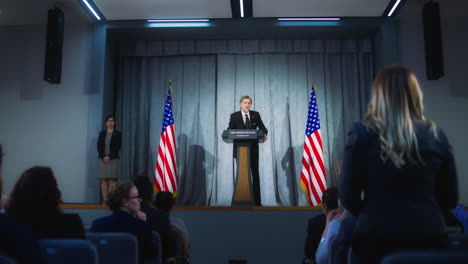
pixel 426 257
pixel 102 248
pixel 456 254
pixel 122 248
pixel 5 259
pixel 98 248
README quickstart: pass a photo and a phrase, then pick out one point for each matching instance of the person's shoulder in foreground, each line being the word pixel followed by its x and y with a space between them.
pixel 18 241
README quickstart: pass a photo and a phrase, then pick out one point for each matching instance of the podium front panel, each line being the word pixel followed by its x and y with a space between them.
pixel 243 187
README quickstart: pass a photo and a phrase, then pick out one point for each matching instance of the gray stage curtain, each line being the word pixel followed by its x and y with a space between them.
pixel 209 77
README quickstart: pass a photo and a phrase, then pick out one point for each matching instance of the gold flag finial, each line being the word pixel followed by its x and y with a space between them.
pixel 170 88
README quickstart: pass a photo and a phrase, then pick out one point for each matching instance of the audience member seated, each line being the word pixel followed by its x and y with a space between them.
pixel 16 239
pixel 124 201
pixel 316 225
pixel 336 238
pixel 462 215
pixel 35 200
pixel 164 201
pixel 178 226
pixel 157 219
pixel 398 172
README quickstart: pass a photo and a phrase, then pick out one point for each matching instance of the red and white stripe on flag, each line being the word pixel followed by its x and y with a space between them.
pixel 165 177
pixel 313 176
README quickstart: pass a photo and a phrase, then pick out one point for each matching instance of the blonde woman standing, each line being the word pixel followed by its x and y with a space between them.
pixel 398 172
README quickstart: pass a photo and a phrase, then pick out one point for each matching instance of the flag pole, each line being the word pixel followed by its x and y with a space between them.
pixel 170 88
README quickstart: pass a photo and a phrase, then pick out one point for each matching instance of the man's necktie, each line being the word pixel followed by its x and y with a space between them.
pixel 247 122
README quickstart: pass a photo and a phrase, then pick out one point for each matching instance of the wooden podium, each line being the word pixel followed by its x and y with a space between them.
pixel 242 139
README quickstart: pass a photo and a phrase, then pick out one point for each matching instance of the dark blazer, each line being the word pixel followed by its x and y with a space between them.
pixel 315 228
pixel 115 143
pixel 121 221
pixel 159 221
pixel 236 121
pixel 404 201
pixel 18 242
pixel 59 226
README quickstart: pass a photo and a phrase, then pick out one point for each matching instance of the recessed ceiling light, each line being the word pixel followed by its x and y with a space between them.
pixel 178 24
pixel 309 19
pixel 177 20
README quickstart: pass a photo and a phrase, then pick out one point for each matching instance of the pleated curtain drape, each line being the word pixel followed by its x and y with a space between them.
pixel 208 78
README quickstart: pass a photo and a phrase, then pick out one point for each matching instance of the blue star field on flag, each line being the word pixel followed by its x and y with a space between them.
pixel 168 117
pixel 313 121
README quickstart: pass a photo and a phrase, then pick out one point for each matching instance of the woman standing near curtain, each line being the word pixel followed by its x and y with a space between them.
pixel 108 147
pixel 398 172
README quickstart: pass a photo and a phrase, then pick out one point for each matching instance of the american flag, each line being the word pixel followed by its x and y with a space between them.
pixel 165 177
pixel 313 178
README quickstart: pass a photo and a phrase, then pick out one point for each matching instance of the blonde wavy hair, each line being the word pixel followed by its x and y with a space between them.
pixel 397 102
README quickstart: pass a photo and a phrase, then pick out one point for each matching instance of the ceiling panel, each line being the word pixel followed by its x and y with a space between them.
pixel 319 8
pixel 17 12
pixel 165 9
pixel 34 12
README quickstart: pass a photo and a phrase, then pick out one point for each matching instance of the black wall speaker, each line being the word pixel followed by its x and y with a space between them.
pixel 433 41
pixel 54 43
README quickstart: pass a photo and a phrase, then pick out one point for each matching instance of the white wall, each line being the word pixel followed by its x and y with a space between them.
pixel 42 123
pixel 446 100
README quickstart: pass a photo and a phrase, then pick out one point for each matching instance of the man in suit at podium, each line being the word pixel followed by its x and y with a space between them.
pixel 248 119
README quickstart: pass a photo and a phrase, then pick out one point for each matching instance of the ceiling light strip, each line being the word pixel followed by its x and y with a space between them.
pixel 177 20
pixel 310 19
pixel 178 25
pixel 242 7
pixel 394 7
pixel 91 9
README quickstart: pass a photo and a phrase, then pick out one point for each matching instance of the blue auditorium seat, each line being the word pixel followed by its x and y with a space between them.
pixel 115 248
pixel 4 259
pixel 158 248
pixel 458 242
pixel 69 251
pixel 426 257
pixel 352 259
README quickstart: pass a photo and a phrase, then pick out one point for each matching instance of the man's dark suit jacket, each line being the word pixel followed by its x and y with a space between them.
pixel 315 228
pixel 121 221
pixel 115 143
pixel 18 242
pixel 237 122
pixel 159 222
pixel 398 202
